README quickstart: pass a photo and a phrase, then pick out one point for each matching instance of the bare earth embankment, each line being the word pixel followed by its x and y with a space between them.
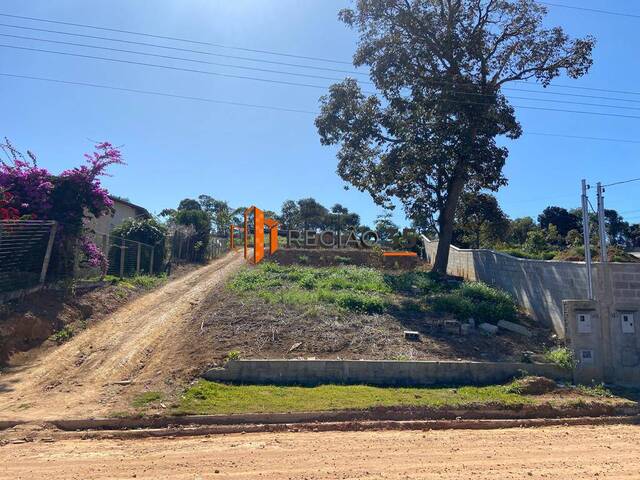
pixel 611 452
pixel 150 343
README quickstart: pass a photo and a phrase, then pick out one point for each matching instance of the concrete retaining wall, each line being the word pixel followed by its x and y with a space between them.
pixel 376 372
pixel 540 286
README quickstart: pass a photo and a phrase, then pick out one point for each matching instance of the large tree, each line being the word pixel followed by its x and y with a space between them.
pixel 439 67
pixel 313 215
pixel 340 218
pixel 564 220
pixel 480 221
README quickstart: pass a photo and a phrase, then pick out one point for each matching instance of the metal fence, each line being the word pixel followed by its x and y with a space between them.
pixel 185 246
pixel 126 258
pixel 25 250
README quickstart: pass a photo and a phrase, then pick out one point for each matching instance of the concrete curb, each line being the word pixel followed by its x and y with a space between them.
pixel 419 425
pixel 380 414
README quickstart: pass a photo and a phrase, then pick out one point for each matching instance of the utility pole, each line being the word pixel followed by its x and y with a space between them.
pixel 602 231
pixel 586 235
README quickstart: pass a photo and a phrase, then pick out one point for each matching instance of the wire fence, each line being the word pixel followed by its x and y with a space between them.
pixel 186 246
pixel 125 257
pixel 25 250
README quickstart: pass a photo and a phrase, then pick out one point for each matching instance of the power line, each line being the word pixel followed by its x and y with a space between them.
pixel 282 82
pixel 176 39
pixel 265 107
pixel 592 10
pixel 268 52
pixel 280 72
pixel 189 50
pixel 183 59
pixel 296 65
pixel 579 137
pixel 166 67
pixel 162 94
pixel 622 182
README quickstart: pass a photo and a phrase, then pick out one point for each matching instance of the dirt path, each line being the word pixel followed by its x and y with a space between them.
pixel 146 342
pixel 547 453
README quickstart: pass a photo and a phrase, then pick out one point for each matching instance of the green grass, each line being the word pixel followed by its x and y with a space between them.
pixel 352 288
pixel 476 300
pixel 216 398
pixel 600 391
pixel 146 398
pixel 367 290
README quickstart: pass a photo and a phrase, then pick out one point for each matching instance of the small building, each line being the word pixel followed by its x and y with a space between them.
pixel 123 210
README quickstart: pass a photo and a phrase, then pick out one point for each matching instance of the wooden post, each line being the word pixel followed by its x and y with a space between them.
pixel 138 258
pixel 153 251
pixel 47 255
pixel 122 254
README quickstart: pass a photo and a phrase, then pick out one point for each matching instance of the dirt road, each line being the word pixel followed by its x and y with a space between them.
pixel 143 343
pixel 611 452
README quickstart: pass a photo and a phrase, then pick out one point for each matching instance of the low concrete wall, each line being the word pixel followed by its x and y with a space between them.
pixel 376 372
pixel 540 286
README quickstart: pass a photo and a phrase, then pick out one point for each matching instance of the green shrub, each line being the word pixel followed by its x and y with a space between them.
pixel 424 282
pixel 63 335
pixel 454 304
pixel 232 356
pixel 599 390
pixel 361 303
pixel 477 300
pixel 561 356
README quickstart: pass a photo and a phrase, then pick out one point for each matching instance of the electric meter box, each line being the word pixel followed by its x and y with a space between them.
pixel 583 321
pixel 627 321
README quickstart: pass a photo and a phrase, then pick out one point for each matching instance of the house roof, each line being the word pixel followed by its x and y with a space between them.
pixel 141 210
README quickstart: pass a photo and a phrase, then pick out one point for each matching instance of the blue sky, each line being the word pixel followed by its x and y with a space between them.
pixel 179 148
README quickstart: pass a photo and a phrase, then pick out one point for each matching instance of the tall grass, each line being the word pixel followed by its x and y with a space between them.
pixel 352 288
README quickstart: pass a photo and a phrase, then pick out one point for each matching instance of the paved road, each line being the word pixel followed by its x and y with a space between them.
pixel 574 453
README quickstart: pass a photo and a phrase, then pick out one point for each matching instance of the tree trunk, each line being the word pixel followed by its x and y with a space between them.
pixel 446 223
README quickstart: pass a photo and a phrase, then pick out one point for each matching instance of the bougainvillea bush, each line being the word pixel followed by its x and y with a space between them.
pixel 30 191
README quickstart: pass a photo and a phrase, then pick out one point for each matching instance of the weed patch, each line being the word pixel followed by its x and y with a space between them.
pixel 146 398
pixel 561 356
pixel 61 336
pixel 351 288
pixel 476 300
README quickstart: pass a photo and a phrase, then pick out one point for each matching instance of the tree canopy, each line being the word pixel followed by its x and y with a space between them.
pixel 439 66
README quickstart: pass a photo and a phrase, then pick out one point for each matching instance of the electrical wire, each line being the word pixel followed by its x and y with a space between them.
pixel 268 52
pixel 622 182
pixel 295 65
pixel 592 10
pixel 280 72
pixel 188 50
pixel 282 82
pixel 266 107
pixel 580 137
pixel 162 94
pixel 182 59
pixel 176 39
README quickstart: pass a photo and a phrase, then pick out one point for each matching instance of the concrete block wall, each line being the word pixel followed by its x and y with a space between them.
pixel 377 372
pixel 540 286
